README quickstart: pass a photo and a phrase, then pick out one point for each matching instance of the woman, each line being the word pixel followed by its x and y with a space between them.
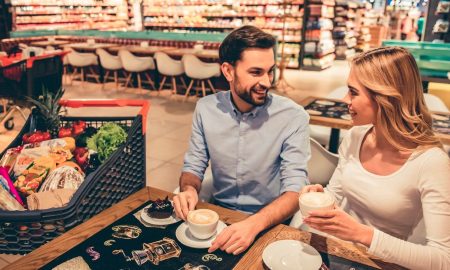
pixel 392 171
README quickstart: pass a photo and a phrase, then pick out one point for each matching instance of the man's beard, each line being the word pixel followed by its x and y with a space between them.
pixel 247 95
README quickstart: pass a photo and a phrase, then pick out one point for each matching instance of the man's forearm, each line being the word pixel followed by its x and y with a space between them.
pixel 188 180
pixel 277 211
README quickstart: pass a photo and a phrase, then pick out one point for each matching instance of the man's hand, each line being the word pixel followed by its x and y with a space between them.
pixel 237 237
pixel 185 201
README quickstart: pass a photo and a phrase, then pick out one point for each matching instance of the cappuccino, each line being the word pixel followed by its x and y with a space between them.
pixel 202 216
pixel 315 201
pixel 202 223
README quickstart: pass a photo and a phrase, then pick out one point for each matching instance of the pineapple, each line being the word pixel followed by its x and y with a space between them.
pixel 48 110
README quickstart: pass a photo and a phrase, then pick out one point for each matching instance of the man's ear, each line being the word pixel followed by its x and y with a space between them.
pixel 228 71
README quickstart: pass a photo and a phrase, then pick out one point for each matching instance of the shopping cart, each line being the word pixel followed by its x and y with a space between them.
pixel 12 87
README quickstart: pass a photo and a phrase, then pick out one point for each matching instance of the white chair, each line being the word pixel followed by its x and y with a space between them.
pixel 80 61
pixel 434 103
pixel 321 133
pixel 134 64
pixel 321 167
pixel 109 63
pixel 206 190
pixel 199 71
pixel 169 67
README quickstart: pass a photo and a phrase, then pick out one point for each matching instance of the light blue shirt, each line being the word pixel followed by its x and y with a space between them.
pixel 255 156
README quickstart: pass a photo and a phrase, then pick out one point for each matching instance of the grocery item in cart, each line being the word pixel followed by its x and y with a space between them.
pixel 7 201
pixel 49 199
pixel 9 158
pixel 66 143
pixel 29 181
pixel 26 158
pixel 6 182
pixel 64 177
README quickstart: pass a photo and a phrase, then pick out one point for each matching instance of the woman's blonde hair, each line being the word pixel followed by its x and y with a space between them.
pixel 391 76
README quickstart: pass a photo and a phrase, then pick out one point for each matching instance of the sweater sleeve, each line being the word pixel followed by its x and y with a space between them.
pixel 434 189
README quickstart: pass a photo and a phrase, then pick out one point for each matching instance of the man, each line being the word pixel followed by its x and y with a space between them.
pixel 258 143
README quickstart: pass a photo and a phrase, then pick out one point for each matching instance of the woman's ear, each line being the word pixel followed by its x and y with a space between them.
pixel 228 71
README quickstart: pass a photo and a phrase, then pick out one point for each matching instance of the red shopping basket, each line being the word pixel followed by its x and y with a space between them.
pixel 121 175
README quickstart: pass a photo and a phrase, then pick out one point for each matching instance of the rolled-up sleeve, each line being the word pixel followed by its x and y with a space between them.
pixel 295 155
pixel 197 157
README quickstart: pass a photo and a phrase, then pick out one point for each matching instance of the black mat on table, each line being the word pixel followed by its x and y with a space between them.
pixel 97 251
pixel 326 108
pixel 441 123
pixel 187 259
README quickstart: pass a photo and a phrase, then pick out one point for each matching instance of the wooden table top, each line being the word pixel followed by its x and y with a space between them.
pixel 50 43
pixel 89 47
pixel 347 124
pixel 251 260
pixel 140 50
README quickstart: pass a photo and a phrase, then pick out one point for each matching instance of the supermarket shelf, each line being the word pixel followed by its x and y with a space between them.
pixel 275 3
pixel 157 14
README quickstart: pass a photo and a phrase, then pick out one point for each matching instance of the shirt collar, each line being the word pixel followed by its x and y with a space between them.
pixel 254 111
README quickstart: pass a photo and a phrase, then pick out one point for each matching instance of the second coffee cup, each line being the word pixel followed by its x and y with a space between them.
pixel 202 223
pixel 315 201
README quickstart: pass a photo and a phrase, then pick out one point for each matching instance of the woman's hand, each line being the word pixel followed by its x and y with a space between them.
pixel 340 224
pixel 311 188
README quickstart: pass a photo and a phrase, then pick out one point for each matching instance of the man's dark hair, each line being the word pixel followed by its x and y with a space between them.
pixel 241 39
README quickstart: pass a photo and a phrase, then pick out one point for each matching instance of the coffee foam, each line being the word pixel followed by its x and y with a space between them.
pixel 316 199
pixel 202 217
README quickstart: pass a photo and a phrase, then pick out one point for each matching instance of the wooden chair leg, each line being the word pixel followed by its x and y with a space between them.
pixel 188 89
pixel 116 80
pixel 105 78
pixel 139 80
pixel 128 79
pixel 82 75
pixel 197 89
pixel 96 77
pixel 75 71
pixel 161 85
pixel 174 85
pixel 211 85
pixel 150 80
pixel 183 82
pixel 203 88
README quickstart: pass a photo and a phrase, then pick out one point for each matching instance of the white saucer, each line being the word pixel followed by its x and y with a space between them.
pixel 346 117
pixel 185 237
pixel 158 221
pixel 325 102
pixel 300 256
pixel 313 112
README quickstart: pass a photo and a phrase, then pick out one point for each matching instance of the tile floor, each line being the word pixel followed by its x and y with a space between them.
pixel 169 120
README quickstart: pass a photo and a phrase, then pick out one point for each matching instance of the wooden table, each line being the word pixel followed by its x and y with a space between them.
pixel 140 50
pixel 336 124
pixel 89 47
pixel 251 260
pixel 46 43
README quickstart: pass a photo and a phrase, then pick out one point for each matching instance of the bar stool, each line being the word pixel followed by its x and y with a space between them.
pixel 134 64
pixel 109 63
pixel 169 67
pixel 199 71
pixel 81 61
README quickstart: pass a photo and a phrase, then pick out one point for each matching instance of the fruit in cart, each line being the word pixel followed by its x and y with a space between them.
pixel 35 137
pixel 78 128
pixel 48 110
pixel 65 132
pixel 82 157
pixel 60 154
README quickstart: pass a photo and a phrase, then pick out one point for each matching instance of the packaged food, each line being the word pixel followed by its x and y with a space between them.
pixel 67 143
pixel 6 182
pixel 49 199
pixel 29 181
pixel 27 156
pixel 60 155
pixel 9 158
pixel 64 177
pixel 7 201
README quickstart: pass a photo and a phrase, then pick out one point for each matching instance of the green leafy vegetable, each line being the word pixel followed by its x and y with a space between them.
pixel 107 139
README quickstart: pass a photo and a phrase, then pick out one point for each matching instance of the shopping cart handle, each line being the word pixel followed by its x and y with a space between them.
pixel 79 103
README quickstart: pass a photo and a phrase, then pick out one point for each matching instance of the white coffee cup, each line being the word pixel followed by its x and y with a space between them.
pixel 144 44
pixel 202 223
pixel 315 201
